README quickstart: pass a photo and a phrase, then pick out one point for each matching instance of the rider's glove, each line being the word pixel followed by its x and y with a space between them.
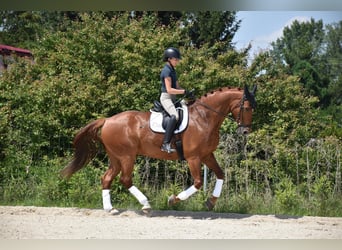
pixel 189 94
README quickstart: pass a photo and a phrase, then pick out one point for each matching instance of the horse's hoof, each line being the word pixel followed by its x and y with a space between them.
pixel 146 209
pixel 210 206
pixel 172 200
pixel 108 209
pixel 114 211
pixel 111 211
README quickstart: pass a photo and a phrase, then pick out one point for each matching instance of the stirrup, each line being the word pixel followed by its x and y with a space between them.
pixel 166 147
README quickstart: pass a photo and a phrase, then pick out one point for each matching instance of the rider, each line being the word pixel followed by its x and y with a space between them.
pixel 169 89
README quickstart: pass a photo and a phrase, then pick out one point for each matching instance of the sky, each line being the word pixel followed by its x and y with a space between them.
pixel 260 28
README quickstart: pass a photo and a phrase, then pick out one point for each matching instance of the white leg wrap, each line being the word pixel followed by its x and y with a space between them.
pixel 218 188
pixel 107 205
pixel 139 195
pixel 187 193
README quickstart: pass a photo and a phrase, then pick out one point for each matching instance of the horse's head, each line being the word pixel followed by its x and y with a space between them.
pixel 243 111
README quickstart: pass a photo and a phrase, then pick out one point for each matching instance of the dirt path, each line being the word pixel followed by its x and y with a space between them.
pixel 17 222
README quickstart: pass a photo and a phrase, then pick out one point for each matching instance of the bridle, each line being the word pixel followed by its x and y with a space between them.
pixel 241 111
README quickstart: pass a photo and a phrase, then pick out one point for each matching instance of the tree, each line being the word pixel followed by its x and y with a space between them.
pixel 96 67
pixel 164 18
pixel 25 28
pixel 301 49
pixel 282 105
pixel 201 28
pixel 334 59
pixel 211 27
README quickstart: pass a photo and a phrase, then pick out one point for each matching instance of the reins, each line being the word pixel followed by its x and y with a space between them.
pixel 240 104
pixel 213 110
pixel 238 120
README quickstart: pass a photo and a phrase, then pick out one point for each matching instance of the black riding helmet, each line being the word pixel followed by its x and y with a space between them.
pixel 171 52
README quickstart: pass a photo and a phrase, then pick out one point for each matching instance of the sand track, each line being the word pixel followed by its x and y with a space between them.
pixel 20 222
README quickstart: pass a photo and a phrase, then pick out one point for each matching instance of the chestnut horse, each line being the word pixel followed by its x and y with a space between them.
pixel 127 134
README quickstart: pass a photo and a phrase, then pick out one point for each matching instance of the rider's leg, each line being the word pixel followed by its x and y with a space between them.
pixel 170 128
pixel 167 102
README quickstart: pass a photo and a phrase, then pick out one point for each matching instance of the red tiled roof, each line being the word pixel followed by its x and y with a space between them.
pixel 10 48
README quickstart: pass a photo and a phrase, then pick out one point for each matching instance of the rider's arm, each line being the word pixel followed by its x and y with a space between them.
pixel 170 90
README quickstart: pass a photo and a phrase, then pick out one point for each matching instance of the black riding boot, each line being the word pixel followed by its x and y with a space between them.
pixel 171 125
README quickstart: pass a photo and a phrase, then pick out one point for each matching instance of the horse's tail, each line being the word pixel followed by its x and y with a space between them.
pixel 85 145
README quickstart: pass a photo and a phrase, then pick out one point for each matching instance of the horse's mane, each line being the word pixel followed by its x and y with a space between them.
pixel 219 90
pixel 191 102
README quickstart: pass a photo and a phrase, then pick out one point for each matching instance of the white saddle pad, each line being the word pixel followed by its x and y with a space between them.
pixel 156 120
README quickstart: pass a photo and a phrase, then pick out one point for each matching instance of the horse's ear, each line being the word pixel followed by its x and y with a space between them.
pixel 254 89
pixel 250 95
pixel 246 89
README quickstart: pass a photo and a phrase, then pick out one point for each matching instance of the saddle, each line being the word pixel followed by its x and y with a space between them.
pixel 159 117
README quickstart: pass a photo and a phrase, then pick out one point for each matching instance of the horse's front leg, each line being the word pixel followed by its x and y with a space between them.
pixel 212 164
pixel 195 170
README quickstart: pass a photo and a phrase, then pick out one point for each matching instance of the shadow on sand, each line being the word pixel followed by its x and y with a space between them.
pixel 198 215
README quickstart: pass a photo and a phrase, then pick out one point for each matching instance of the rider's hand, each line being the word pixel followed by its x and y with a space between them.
pixel 189 94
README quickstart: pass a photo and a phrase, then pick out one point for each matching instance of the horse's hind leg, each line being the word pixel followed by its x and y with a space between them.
pixel 107 180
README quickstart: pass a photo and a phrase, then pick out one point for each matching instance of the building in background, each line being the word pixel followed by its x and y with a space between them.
pixel 9 54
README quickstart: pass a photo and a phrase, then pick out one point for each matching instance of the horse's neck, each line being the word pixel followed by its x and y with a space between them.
pixel 218 105
pixel 223 102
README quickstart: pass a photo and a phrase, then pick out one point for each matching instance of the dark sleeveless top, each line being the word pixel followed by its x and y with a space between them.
pixel 168 71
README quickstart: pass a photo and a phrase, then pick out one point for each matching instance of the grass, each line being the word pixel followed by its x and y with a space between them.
pixel 42 186
pixel 243 203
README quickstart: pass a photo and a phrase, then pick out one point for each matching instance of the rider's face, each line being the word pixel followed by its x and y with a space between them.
pixel 174 61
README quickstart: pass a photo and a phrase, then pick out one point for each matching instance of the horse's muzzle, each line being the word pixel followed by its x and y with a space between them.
pixel 243 130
